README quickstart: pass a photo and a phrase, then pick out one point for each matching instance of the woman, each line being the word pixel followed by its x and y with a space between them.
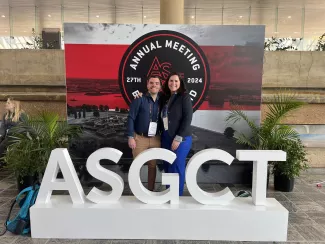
pixel 176 118
pixel 10 118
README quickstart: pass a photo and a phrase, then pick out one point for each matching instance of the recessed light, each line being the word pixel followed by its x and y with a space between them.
pixel 3 16
pixel 276 32
pixel 49 15
pixel 6 31
pixel 144 16
pixel 296 32
pixel 241 16
pixel 97 16
pixel 289 17
pixel 192 17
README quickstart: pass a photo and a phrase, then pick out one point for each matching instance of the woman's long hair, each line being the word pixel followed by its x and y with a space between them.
pixel 181 89
pixel 16 114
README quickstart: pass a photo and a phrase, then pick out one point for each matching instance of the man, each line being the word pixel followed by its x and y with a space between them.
pixel 142 125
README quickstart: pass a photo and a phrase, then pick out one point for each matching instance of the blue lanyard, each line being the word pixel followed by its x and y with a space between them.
pixel 150 113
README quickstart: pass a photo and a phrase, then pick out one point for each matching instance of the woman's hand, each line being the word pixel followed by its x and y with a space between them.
pixel 175 145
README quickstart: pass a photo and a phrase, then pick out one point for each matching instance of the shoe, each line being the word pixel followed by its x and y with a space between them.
pixel 243 193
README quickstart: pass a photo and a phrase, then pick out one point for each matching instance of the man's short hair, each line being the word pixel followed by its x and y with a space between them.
pixel 154 76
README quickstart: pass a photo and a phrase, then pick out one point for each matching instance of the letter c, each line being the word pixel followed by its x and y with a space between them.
pixel 221 197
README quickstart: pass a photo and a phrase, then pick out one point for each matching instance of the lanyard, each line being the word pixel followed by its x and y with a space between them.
pixel 165 108
pixel 150 113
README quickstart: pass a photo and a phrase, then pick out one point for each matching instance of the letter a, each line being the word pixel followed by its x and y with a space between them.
pixel 60 159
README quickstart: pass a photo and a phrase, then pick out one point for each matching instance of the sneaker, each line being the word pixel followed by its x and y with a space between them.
pixel 243 193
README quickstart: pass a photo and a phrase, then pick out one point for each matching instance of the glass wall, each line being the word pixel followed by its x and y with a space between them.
pixel 19 19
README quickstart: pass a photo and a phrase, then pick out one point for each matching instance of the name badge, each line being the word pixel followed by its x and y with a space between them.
pixel 165 121
pixel 152 129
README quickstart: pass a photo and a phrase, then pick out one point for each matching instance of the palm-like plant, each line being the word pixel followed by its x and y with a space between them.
pixel 33 139
pixel 270 134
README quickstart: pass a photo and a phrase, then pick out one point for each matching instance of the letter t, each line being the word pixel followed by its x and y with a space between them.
pixel 260 159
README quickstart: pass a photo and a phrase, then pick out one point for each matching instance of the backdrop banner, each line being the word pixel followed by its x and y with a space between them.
pixel 107 64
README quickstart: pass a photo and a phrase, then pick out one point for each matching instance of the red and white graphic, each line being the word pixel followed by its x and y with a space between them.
pixel 175 51
pixel 106 63
pixel 161 70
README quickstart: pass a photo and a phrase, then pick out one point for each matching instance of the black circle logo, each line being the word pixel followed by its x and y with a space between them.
pixel 160 53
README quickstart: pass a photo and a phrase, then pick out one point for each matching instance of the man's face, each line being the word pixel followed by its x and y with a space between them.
pixel 153 85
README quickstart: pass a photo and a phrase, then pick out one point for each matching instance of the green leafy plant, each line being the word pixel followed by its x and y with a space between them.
pixel 37 42
pixel 272 135
pixel 33 139
pixel 320 46
pixel 296 159
pixel 281 44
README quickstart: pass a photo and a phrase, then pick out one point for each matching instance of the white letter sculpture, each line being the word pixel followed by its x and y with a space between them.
pixel 144 194
pixel 260 159
pixel 97 171
pixel 60 159
pixel 221 197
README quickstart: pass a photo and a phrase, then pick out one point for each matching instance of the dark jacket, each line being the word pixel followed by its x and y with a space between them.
pixel 139 115
pixel 180 113
pixel 6 125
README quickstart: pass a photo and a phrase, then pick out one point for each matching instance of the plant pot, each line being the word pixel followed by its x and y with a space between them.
pixel 283 183
pixel 27 181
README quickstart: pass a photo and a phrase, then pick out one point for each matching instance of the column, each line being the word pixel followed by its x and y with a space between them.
pixel 171 11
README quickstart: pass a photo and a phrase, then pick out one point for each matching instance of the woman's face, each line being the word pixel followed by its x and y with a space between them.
pixel 9 106
pixel 174 83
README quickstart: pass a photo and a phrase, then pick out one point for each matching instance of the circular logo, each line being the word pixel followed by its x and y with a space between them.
pixel 159 53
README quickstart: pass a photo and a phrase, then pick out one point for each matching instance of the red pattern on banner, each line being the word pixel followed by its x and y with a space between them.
pixel 92 76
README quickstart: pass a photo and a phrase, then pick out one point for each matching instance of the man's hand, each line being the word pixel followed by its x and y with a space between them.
pixel 132 143
pixel 138 95
pixel 175 145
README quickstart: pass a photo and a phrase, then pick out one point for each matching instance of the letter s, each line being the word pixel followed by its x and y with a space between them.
pixel 99 172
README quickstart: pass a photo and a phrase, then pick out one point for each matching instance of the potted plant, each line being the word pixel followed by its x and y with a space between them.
pixel 31 143
pixel 285 172
pixel 271 134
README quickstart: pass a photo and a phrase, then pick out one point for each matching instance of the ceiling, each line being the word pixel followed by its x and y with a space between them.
pixel 295 18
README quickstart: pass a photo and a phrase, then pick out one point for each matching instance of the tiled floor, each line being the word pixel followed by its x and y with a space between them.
pixel 306 205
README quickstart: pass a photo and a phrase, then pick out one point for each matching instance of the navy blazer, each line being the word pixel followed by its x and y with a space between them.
pixel 139 115
pixel 180 113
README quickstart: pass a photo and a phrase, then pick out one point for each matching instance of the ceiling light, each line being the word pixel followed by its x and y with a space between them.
pixel 25 31
pixel 289 17
pixel 97 16
pixel 3 16
pixel 296 32
pixel 6 31
pixel 192 17
pixel 144 16
pixel 49 15
pixel 276 32
pixel 240 16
